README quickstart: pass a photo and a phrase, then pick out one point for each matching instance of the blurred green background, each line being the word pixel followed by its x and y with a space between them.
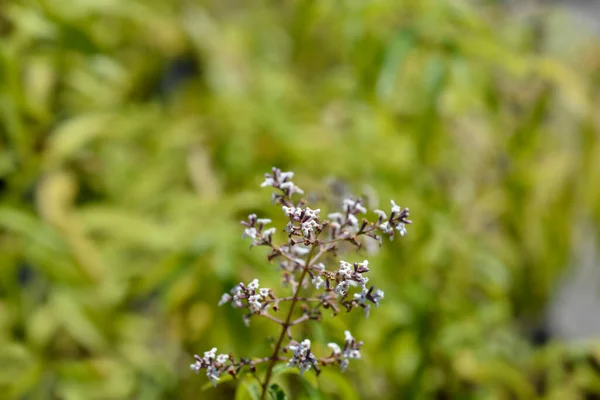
pixel 134 135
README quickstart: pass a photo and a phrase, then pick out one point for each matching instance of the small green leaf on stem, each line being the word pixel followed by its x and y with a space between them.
pixel 276 392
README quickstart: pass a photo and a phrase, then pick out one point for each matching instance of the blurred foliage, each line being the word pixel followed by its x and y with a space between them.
pixel 133 137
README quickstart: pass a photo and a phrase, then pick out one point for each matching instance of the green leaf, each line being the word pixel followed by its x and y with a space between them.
pixel 73 135
pixel 75 319
pixel 248 389
pixel 276 392
pixel 283 369
pixel 338 383
pixel 395 56
pixel 309 379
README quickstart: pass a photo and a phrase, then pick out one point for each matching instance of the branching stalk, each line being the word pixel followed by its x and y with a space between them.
pixel 286 326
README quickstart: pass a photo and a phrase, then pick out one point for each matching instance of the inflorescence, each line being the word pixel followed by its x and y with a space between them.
pixel 310 240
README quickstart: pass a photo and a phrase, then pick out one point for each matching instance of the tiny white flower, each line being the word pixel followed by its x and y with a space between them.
pixel 302 358
pixel 350 350
pixel 353 220
pixel 264 292
pixel 291 187
pixel 289 228
pixel 348 336
pixel 361 280
pixel 308 227
pixel 342 288
pixel 268 182
pixel 269 232
pixel 222 358
pixel 288 210
pixel 237 292
pixel 210 355
pixel 377 296
pixel 360 208
pixel 386 228
pixel 335 348
pixel 254 303
pixel 236 289
pixel 352 353
pixel 317 281
pixel 213 374
pixel 312 213
pixel 263 221
pixel 344 365
pixel 348 204
pixel 381 214
pixel 345 270
pixel 319 267
pixel 402 229
pixel 253 285
pixel 336 216
pixel 304 366
pixel 196 366
pixel 226 297
pixel 249 232
pixel 361 297
pixel 286 175
pixel 395 208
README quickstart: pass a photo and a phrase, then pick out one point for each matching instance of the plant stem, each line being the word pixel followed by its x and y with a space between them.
pixel 286 325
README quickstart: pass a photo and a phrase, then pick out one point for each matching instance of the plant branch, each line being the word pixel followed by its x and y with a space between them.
pixel 303 318
pixel 286 325
pixel 290 298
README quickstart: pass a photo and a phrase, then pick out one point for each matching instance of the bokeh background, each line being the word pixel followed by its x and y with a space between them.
pixel 134 135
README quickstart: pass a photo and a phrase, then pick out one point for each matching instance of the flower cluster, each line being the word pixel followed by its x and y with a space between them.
pixel 282 181
pixel 398 220
pixel 303 222
pixel 303 358
pixel 213 363
pixel 348 274
pixel 368 295
pixel 345 224
pixel 305 259
pixel 350 351
pixel 252 293
pixel 254 230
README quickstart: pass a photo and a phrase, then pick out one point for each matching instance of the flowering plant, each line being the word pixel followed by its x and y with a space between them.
pixel 310 240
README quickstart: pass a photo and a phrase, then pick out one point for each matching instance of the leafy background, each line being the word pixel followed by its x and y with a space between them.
pixel 133 137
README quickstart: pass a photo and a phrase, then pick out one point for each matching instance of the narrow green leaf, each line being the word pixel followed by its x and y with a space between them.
pixel 395 56
pixel 276 392
pixel 248 389
pixel 309 379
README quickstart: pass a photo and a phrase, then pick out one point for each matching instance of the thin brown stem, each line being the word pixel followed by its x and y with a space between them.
pixel 272 318
pixel 264 359
pixel 319 254
pixel 286 325
pixel 301 319
pixel 340 239
pixel 281 253
pixel 290 298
